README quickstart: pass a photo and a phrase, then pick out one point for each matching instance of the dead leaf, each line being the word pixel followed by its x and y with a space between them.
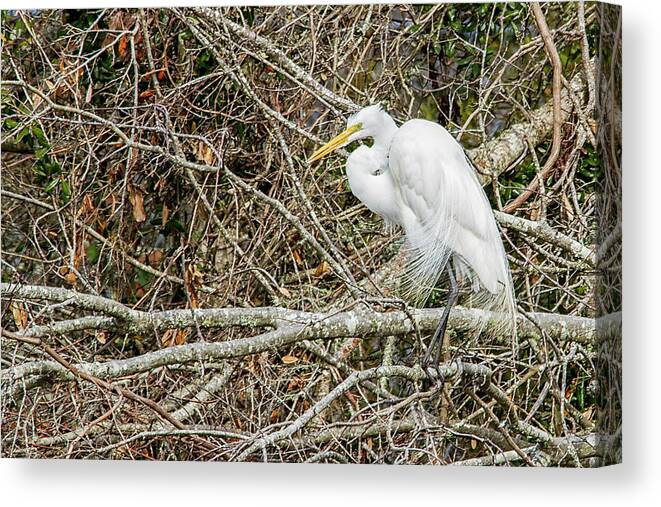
pixel 155 257
pixel 167 338
pixel 71 277
pixel 102 224
pixel 86 207
pixel 192 278
pixel 297 257
pixel 137 202
pixel 165 214
pixel 593 125
pixel 473 443
pixel 79 255
pixel 20 315
pixel 205 154
pixel 88 95
pixel 322 269
pixel 146 94
pixel 111 201
pixel 285 292
pixel 569 390
pixel 174 337
pixel 196 275
pixel 101 336
pixel 139 289
pixel 114 171
pixel 294 384
pixel 123 42
pixel 534 213
pixel 290 359
pixel 180 339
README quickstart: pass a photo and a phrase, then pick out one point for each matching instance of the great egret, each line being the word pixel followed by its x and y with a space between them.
pixel 417 176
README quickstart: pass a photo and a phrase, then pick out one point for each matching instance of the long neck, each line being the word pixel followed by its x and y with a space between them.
pixel 372 183
pixel 386 131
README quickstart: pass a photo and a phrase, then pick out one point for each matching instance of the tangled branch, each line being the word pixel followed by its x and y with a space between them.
pixel 178 283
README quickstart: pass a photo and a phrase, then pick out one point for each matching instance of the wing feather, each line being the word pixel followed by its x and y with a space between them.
pixel 446 212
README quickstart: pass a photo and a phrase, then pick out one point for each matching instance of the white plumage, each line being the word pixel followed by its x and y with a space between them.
pixel 418 176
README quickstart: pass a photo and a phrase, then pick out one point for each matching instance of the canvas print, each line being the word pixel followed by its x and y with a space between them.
pixel 349 234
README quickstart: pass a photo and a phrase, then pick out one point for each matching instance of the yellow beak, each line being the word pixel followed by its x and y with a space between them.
pixel 334 143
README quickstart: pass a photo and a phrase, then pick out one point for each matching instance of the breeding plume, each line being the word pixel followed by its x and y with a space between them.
pixel 417 176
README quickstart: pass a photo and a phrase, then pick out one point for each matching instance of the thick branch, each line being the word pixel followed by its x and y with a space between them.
pixel 501 153
pixel 312 325
pixel 545 232
pixel 587 446
pixel 309 327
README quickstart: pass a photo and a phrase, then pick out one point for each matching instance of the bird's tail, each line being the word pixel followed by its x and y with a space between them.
pixel 495 316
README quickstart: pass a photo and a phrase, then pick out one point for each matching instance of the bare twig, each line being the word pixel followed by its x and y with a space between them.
pixel 76 372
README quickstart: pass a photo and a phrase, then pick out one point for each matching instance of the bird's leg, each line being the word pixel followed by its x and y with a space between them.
pixel 435 344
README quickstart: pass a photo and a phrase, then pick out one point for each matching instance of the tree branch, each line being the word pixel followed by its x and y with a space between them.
pixel 77 372
pixel 297 72
pixel 413 374
pixel 496 156
pixel 545 232
pixel 294 327
pixel 557 109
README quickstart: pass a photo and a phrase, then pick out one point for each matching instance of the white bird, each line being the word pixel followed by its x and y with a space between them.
pixel 418 176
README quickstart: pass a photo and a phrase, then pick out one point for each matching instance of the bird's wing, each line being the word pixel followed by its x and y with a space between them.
pixel 445 209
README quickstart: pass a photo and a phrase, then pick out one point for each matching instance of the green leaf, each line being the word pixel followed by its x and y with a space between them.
pixel 66 189
pixel 51 185
pixel 41 152
pixel 93 252
pixel 24 132
pixel 39 134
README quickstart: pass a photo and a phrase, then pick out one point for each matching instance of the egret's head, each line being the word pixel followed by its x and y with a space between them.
pixel 365 123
